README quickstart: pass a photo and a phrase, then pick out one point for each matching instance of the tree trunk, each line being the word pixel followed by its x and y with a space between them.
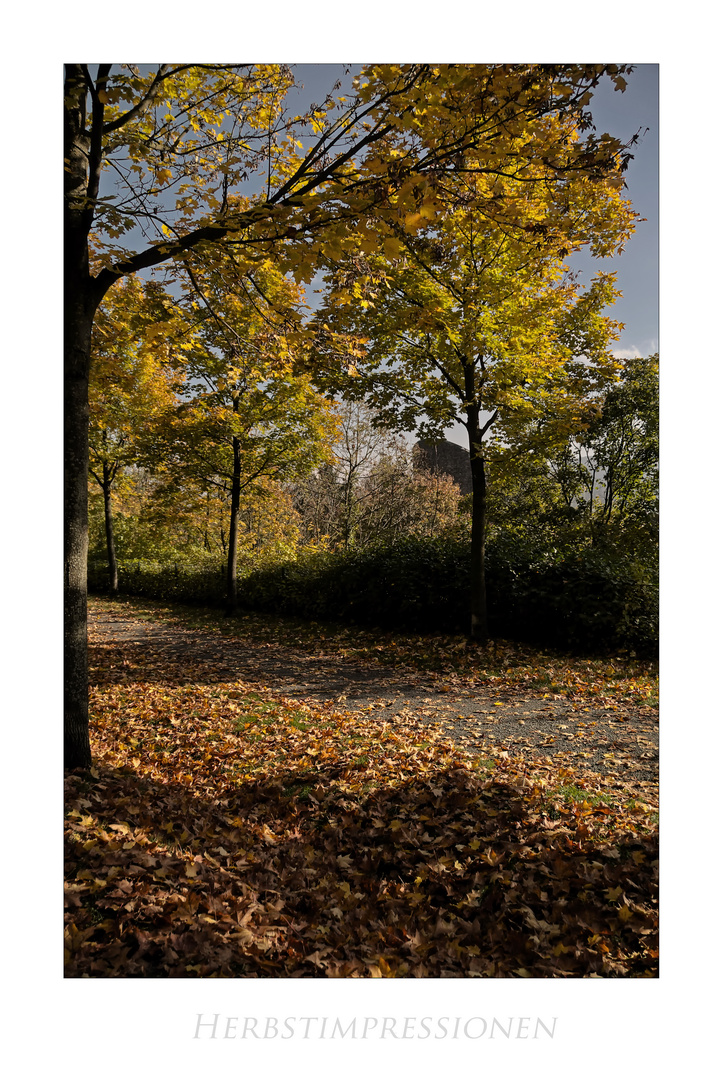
pixel 479 629
pixel 109 538
pixel 77 361
pixel 80 301
pixel 206 541
pixel 231 584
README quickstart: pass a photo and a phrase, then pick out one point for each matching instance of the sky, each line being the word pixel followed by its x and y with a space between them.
pixel 622 115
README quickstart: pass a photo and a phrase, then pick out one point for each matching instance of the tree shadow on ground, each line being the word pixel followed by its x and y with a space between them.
pixel 450 874
pixel 220 661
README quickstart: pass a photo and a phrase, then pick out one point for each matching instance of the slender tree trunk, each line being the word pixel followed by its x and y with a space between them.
pixel 479 629
pixel 231 583
pixel 206 542
pixel 109 538
pixel 347 514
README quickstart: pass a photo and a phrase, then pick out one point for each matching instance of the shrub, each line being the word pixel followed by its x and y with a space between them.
pixel 415 584
pixel 178 580
pixel 583 602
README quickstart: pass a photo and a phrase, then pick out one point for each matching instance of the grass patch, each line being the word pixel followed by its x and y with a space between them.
pixel 572 793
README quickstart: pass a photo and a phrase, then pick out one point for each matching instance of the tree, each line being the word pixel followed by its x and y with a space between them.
pixel 188 521
pixel 246 414
pixel 608 472
pixel 157 158
pixel 370 492
pixel 137 126
pixel 472 320
pixel 133 371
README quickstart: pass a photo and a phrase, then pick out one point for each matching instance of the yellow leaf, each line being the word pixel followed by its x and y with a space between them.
pixel 368 242
pixel 413 222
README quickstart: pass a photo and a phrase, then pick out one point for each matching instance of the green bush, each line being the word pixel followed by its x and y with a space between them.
pixel 178 580
pixel 583 602
pixel 416 584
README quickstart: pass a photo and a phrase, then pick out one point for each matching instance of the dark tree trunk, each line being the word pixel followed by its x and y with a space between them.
pixel 83 158
pixel 231 583
pixel 81 298
pixel 479 629
pixel 206 541
pixel 77 353
pixel 109 538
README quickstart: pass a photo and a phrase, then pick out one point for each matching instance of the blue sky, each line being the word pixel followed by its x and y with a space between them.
pixel 622 114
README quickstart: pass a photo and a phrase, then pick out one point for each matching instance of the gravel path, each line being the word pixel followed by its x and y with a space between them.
pixel 617 742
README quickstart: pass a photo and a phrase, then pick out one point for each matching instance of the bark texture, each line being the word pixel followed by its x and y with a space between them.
pixel 80 302
pixel 479 627
pixel 77 333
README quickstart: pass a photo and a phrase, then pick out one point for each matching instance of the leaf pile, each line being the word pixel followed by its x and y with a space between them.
pixel 226 832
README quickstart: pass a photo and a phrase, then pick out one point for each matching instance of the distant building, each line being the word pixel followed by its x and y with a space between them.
pixel 447 459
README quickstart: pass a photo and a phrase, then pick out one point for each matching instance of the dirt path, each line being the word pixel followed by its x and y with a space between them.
pixel 621 741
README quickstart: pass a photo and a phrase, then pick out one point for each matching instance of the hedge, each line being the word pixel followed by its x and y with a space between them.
pixel 183 582
pixel 581 602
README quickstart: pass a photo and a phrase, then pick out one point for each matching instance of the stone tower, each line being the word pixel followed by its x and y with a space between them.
pixel 447 458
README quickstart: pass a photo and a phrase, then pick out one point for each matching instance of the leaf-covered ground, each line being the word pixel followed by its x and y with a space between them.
pixel 227 830
pixel 501 699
